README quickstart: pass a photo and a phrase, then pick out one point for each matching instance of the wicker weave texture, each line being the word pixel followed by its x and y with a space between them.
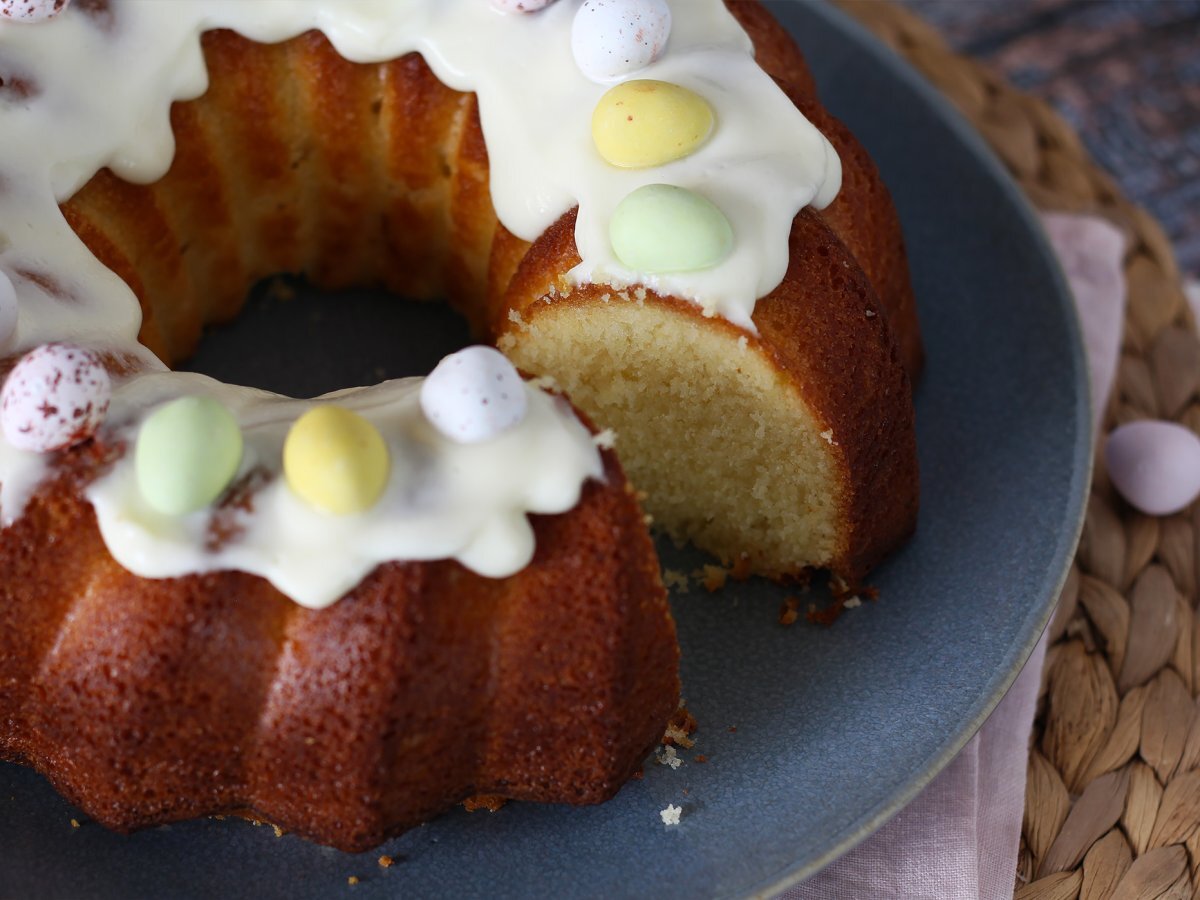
pixel 1112 805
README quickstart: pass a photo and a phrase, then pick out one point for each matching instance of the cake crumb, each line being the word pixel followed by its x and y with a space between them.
pixel 386 862
pixel 701 759
pixel 733 729
pixel 844 597
pixel 714 577
pixel 353 879
pixel 74 823
pixel 742 569
pixel 490 802
pixel 278 831
pixel 870 313
pixel 675 579
pixel 680 728
pixel 666 756
pixel 606 439
pixel 515 317
pixel 671 814
pixel 545 383
pixel 827 436
pixel 789 612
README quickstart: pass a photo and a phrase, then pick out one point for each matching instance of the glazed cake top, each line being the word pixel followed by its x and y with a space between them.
pixel 759 164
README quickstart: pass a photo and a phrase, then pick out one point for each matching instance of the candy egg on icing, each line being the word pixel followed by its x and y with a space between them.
pixel 474 395
pixel 612 38
pixel 662 228
pixel 55 397
pixel 187 454
pixel 336 461
pixel 644 123
pixel 8 310
pixel 520 6
pixel 31 10
pixel 1155 465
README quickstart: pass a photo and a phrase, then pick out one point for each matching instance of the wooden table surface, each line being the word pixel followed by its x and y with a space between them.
pixel 1124 73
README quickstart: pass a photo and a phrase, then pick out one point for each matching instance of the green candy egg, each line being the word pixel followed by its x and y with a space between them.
pixel 661 228
pixel 187 454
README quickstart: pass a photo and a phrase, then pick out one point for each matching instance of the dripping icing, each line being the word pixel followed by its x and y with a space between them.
pixel 762 165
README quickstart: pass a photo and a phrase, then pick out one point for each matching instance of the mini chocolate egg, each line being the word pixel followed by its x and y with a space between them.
pixel 55 397
pixel 336 461
pixel 474 395
pixel 661 228
pixel 1155 465
pixel 612 38
pixel 520 6
pixel 644 123
pixel 31 10
pixel 8 311
pixel 188 453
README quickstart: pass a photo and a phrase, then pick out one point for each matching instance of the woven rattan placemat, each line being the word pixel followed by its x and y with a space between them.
pixel 1112 805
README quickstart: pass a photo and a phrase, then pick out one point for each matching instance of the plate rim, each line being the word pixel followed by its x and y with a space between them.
pixel 1081 471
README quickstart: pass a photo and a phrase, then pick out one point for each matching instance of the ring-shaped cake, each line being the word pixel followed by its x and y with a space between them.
pixel 350 612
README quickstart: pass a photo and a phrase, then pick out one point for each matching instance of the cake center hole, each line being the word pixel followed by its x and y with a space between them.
pixel 294 339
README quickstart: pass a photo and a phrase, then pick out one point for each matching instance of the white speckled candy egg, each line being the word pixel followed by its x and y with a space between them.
pixel 520 6
pixel 31 10
pixel 56 397
pixel 474 396
pixel 8 311
pixel 1155 465
pixel 612 38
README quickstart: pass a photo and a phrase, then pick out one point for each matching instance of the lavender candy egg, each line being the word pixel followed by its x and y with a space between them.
pixel 474 395
pixel 8 311
pixel 520 6
pixel 1155 465
pixel 55 398
pixel 613 38
pixel 31 11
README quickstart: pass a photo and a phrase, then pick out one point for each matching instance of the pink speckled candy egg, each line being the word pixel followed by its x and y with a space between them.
pixel 31 10
pixel 56 397
pixel 1155 465
pixel 8 311
pixel 520 6
pixel 612 38
pixel 474 396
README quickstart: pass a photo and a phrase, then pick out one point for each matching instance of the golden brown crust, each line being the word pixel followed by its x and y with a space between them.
pixel 863 215
pixel 151 701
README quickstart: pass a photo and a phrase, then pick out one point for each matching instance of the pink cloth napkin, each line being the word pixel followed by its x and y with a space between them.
pixel 959 837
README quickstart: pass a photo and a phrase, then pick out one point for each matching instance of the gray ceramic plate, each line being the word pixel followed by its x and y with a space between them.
pixel 835 728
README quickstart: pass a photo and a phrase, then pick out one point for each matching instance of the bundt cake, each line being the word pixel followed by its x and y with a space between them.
pixel 349 613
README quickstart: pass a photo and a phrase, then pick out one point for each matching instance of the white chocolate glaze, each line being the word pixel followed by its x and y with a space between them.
pixel 763 164
pixel 444 500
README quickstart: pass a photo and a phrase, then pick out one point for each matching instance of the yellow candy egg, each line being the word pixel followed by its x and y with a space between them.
pixel 644 123
pixel 336 461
